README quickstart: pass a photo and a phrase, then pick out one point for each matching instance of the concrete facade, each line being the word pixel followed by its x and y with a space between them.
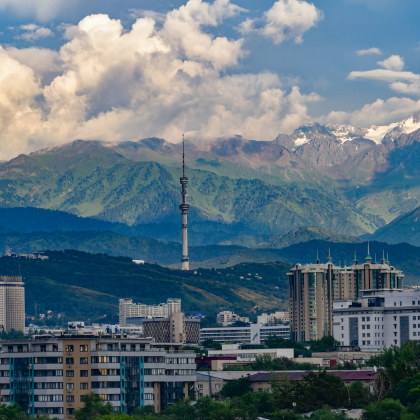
pixel 228 317
pixel 50 376
pixel 274 318
pixel 314 287
pixel 254 334
pixel 129 309
pixel 378 319
pixel 12 303
pixel 175 329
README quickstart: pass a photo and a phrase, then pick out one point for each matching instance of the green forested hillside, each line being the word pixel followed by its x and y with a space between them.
pixel 83 285
pixel 90 179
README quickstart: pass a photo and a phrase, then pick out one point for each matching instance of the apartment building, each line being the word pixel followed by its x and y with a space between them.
pixel 253 334
pixel 175 329
pixel 46 375
pixel 228 317
pixel 12 303
pixel 378 319
pixel 129 309
pixel 314 287
pixel 274 318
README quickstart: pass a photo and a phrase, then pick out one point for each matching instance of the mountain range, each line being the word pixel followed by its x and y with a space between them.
pixel 346 180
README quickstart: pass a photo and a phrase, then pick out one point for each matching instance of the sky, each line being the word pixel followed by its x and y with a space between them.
pixel 129 69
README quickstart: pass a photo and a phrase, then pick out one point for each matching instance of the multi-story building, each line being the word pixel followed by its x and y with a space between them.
pixel 47 375
pixel 12 303
pixel 175 329
pixel 253 334
pixel 378 319
pixel 129 309
pixel 274 318
pixel 228 317
pixel 314 287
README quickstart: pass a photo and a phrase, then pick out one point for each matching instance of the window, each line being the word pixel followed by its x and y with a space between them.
pixel 368 334
pixel 70 386
pixel 414 325
pixel 414 318
pixel 363 319
pixel 84 385
pixel 363 335
pixel 363 327
pixel 69 360
pixel 70 398
pixel 69 348
pixel 414 333
pixel 83 360
pixel 84 373
pixel 83 347
pixel 368 327
pixel 413 302
pixel 69 411
pixel 217 386
pixel 200 386
pixel 368 319
pixel 70 373
pixel 364 343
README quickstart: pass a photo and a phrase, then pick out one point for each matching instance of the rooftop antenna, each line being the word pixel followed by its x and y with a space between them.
pixel 317 257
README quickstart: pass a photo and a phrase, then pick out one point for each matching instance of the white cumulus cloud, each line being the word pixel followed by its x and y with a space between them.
pixel 395 62
pixel 379 112
pixel 290 19
pixel 400 81
pixel 370 51
pixel 32 32
pixel 151 80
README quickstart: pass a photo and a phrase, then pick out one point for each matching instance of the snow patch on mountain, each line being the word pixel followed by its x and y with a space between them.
pixel 301 140
pixel 406 126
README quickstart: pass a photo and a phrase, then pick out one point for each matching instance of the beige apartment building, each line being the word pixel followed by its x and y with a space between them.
pixel 314 287
pixel 12 303
pixel 129 309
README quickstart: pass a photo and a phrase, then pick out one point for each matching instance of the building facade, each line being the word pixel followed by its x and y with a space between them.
pixel 50 376
pixel 12 303
pixel 254 334
pixel 314 287
pixel 175 329
pixel 378 319
pixel 274 318
pixel 129 309
pixel 228 317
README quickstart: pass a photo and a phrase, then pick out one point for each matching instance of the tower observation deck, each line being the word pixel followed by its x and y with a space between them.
pixel 184 207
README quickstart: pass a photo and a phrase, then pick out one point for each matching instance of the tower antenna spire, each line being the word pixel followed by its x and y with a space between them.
pixel 183 156
pixel 184 207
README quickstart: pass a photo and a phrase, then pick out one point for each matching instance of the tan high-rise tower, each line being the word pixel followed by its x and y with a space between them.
pixel 12 303
pixel 184 207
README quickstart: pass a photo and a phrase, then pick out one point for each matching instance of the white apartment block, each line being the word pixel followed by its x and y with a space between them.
pixel 272 319
pixel 129 309
pixel 378 319
pixel 244 355
pixel 228 317
pixel 12 303
pixel 253 334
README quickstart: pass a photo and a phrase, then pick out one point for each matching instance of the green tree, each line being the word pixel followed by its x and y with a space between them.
pixel 385 410
pixel 12 412
pixel 236 388
pixel 326 413
pixel 359 395
pixel 407 390
pixel 93 407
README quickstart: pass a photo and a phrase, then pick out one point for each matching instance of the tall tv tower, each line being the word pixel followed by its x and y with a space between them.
pixel 184 207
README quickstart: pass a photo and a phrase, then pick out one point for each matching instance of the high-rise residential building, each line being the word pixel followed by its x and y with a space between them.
pixel 46 375
pixel 129 309
pixel 377 319
pixel 175 329
pixel 12 303
pixel 314 287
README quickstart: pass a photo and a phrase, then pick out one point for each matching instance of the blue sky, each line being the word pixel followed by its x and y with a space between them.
pixel 313 54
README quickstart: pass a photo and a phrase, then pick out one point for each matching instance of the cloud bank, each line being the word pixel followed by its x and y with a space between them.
pixel 400 81
pixel 152 80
